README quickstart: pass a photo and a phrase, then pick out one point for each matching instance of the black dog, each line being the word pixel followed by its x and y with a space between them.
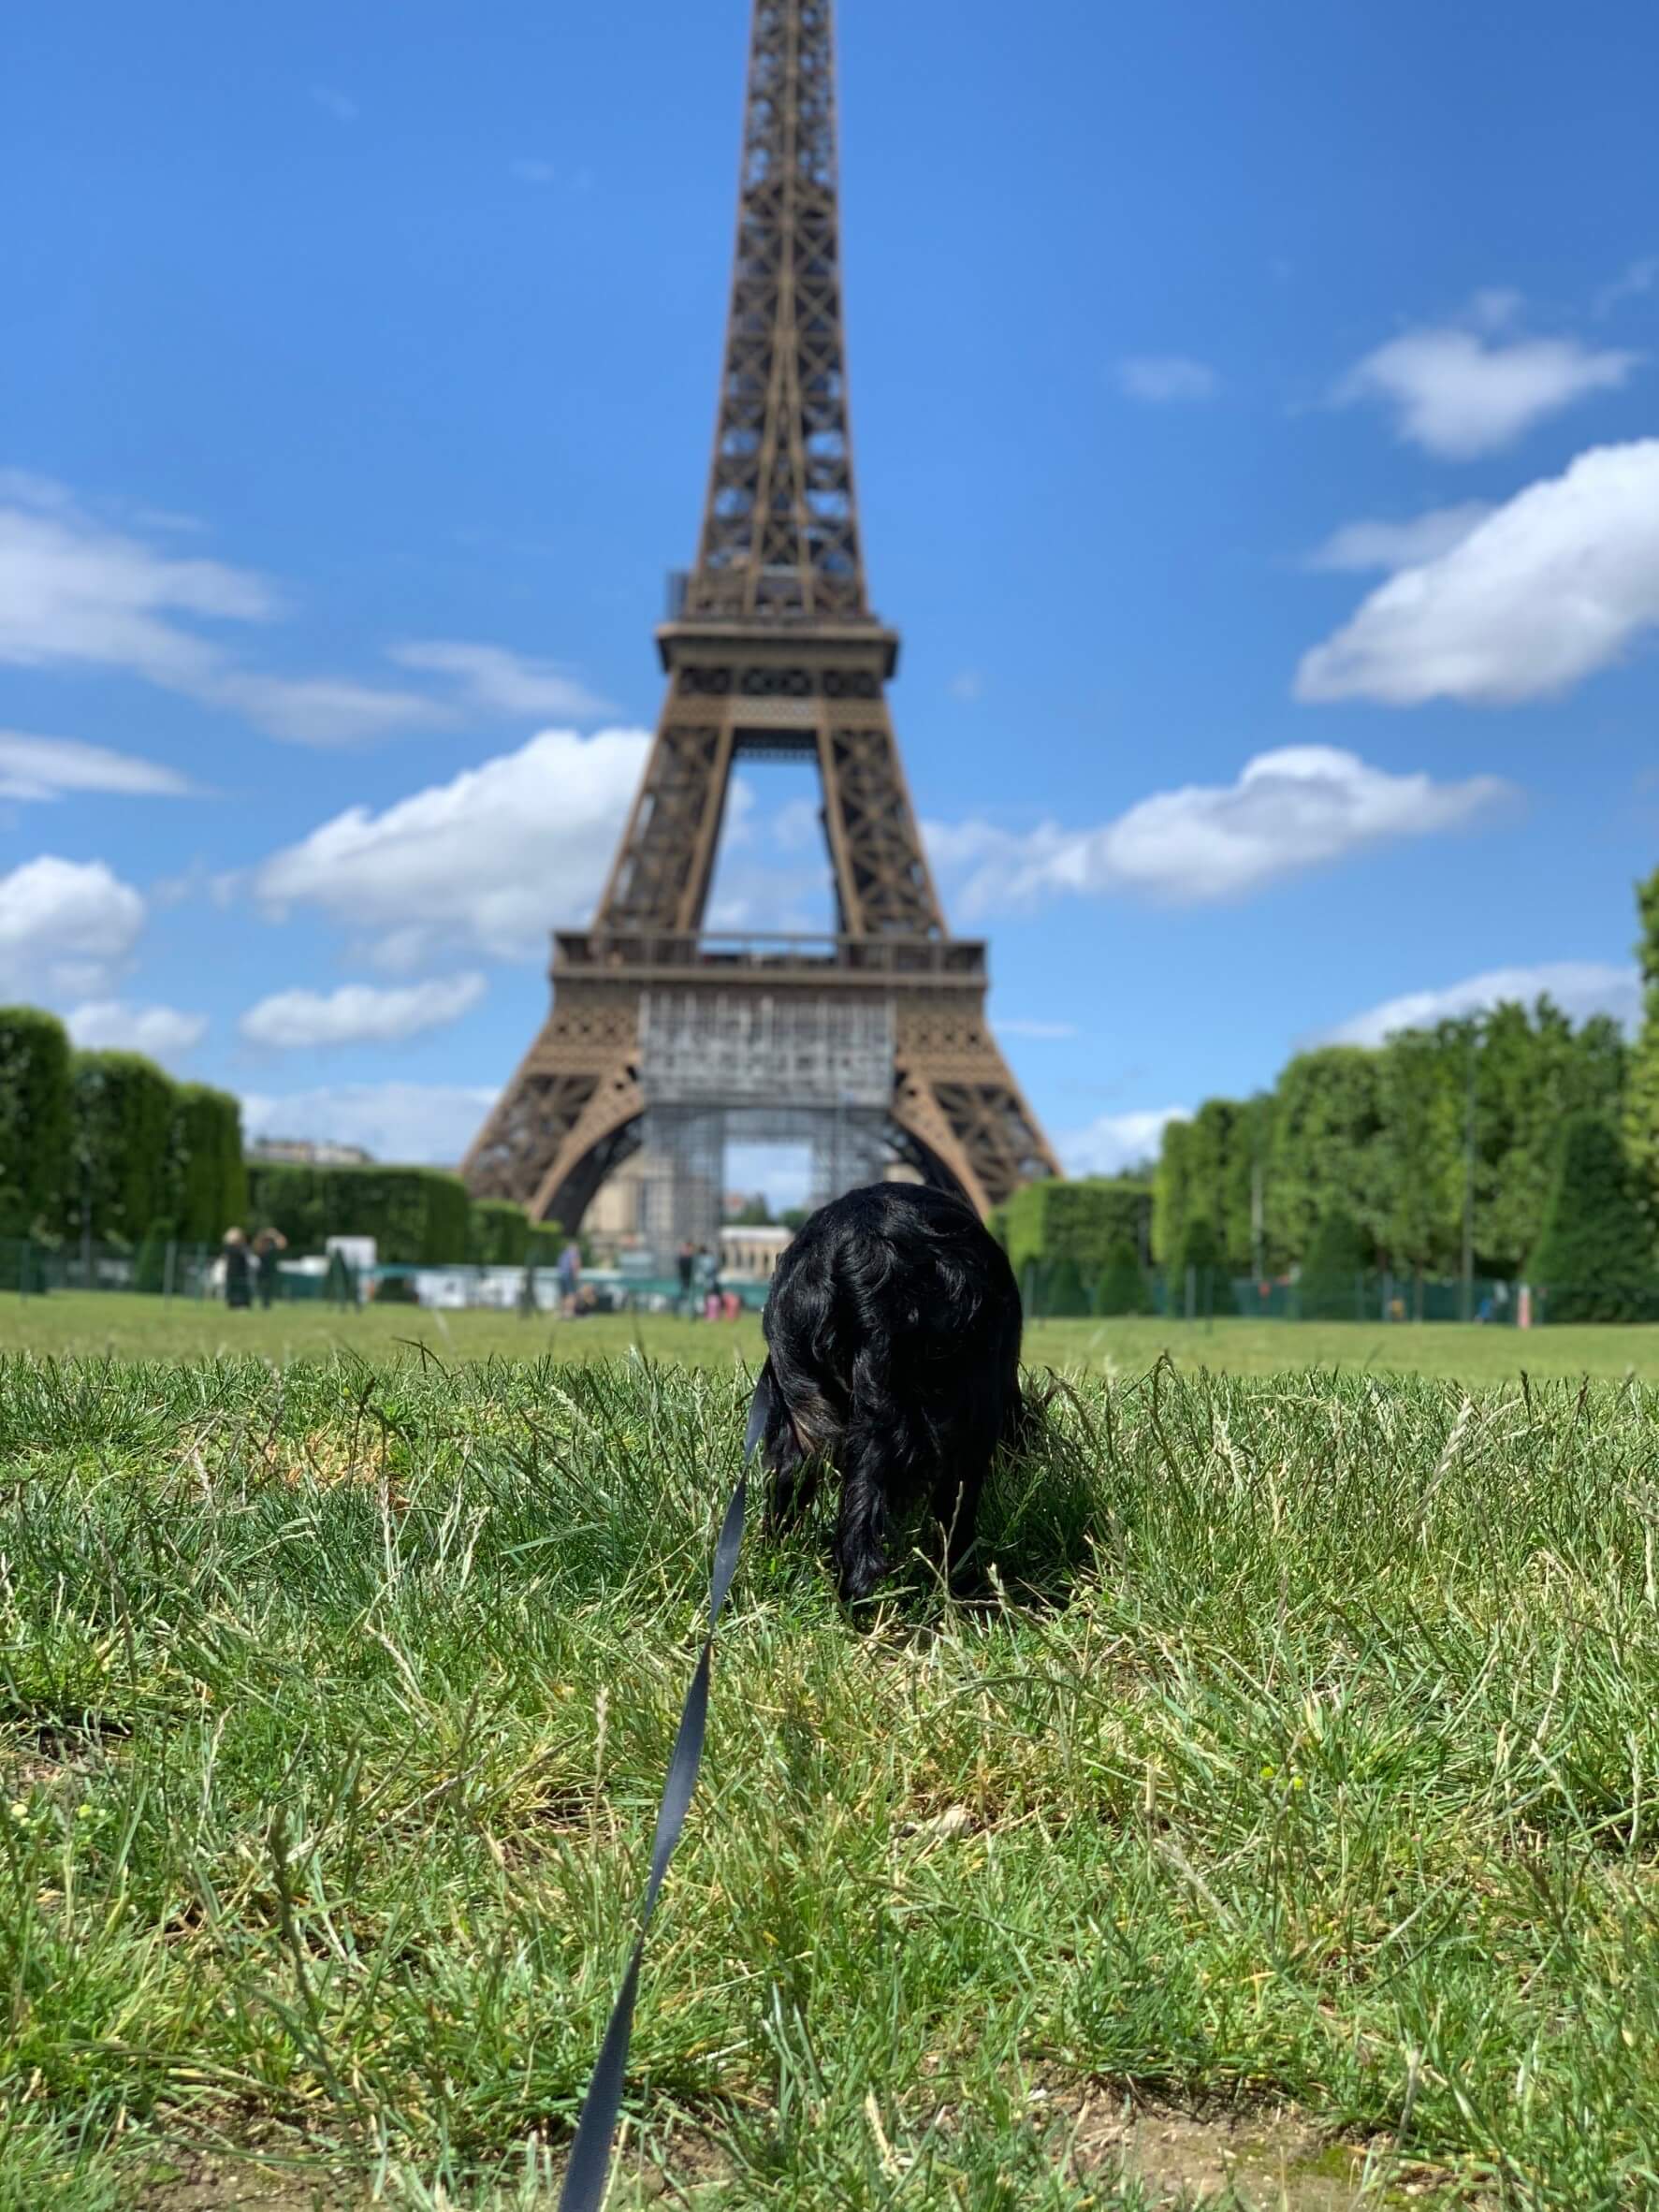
pixel 893 1339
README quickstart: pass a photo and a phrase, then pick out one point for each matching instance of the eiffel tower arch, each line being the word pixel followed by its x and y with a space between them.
pixel 770 651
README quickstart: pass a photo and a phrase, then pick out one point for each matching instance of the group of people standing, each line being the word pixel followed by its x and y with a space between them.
pixel 251 1270
pixel 701 1290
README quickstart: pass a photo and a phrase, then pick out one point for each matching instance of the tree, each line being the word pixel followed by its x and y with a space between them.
pixel 1063 1297
pixel 1641 1093
pixel 1595 1260
pixel 210 1191
pixel 1326 1127
pixel 1331 1272
pixel 1080 1220
pixel 121 1126
pixel 34 1121
pixel 1172 1191
pixel 1421 1103
pixel 1122 1288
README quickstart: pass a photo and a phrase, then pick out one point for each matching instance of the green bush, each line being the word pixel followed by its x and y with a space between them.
pixel 1594 1256
pixel 151 1271
pixel 1082 1221
pixel 417 1216
pixel 34 1121
pixel 1330 1273
pixel 122 1177
pixel 1063 1296
pixel 209 1182
pixel 1122 1287
pixel 501 1233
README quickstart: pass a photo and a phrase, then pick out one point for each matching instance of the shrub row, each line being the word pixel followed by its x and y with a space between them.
pixel 108 1143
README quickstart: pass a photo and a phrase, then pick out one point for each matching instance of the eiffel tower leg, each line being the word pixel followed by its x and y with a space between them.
pixel 570 1112
pixel 955 1097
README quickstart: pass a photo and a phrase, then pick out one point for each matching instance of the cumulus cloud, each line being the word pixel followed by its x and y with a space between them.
pixel 75 593
pixel 497 682
pixel 49 768
pixel 359 1014
pixel 1579 987
pixel 111 1025
pixel 1290 810
pixel 1394 545
pixel 488 862
pixel 65 925
pixel 1459 393
pixel 1554 585
pixel 425 1125
pixel 1161 378
pixel 1117 1140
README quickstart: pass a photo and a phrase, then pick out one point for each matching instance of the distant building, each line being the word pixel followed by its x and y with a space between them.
pixel 306 1152
pixel 749 1255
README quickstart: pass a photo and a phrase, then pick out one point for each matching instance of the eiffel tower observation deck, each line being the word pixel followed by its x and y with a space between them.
pixel 870 1042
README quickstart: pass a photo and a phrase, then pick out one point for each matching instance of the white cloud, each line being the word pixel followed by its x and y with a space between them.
pixel 332 101
pixel 359 1014
pixel 1039 1032
pixel 1161 378
pixel 1290 810
pixel 422 1123
pixel 968 686
pixel 498 681
pixel 1579 987
pixel 487 863
pixel 531 171
pixel 74 592
pixel 65 924
pixel 1392 545
pixel 111 1025
pixel 1459 393
pixel 1117 1140
pixel 1553 586
pixel 48 767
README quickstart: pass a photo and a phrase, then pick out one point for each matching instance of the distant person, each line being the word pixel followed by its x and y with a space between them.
pixel 267 1245
pixel 529 1303
pixel 685 1261
pixel 570 1276
pixel 238 1271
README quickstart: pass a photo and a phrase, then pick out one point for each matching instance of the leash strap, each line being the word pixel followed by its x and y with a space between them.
pixel 588 2169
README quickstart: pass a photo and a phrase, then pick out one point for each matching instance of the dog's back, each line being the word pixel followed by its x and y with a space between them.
pixel 893 1331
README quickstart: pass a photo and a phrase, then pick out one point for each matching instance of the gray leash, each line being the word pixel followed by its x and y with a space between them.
pixel 585 2176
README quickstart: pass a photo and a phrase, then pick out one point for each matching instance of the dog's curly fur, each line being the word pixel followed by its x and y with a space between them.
pixel 893 1340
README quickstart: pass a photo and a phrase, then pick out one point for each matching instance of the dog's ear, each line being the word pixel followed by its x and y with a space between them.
pixel 763 1412
pixel 770 1432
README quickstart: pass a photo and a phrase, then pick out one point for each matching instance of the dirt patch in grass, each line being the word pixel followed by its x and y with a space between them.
pixel 1265 2160
pixel 210 2184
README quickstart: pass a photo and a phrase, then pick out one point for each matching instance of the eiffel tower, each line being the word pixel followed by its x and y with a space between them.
pixel 771 652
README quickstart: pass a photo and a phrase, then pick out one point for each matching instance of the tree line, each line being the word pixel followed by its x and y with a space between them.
pixel 104 1145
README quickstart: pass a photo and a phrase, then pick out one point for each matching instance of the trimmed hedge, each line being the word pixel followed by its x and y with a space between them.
pixel 1593 1261
pixel 1122 1287
pixel 501 1233
pixel 1080 1221
pixel 1328 1289
pixel 417 1216
pixel 34 1121
pixel 121 1163
pixel 210 1183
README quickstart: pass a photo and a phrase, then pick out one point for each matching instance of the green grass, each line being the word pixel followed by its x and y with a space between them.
pixel 82 1323
pixel 1309 1758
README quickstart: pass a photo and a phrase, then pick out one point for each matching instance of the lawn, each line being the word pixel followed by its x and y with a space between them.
pixel 1289 1812
pixel 84 1323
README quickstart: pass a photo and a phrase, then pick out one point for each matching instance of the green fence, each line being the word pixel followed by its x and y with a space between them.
pixel 1053 1292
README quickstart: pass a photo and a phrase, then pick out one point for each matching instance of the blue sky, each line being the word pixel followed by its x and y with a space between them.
pixel 1258 431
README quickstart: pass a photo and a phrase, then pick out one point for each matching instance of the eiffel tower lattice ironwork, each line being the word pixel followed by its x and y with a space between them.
pixel 771 651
